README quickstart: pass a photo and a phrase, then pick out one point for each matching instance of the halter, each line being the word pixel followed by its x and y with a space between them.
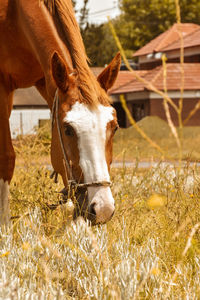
pixel 72 183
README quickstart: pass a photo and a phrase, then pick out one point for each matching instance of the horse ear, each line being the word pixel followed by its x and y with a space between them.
pixel 109 74
pixel 59 72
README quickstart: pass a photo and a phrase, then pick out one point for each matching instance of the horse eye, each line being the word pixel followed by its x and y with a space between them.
pixel 69 131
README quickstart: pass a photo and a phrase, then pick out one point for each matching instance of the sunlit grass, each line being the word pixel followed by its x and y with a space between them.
pixel 130 144
pixel 149 250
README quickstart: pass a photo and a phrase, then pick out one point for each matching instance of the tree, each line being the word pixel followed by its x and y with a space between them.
pixel 99 44
pixel 83 21
pixel 143 20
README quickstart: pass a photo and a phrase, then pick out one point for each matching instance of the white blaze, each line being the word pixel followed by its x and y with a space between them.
pixel 90 126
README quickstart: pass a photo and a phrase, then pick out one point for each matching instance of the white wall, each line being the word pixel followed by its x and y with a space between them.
pixel 27 119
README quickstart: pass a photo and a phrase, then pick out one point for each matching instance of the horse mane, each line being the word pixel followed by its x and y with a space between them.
pixel 90 90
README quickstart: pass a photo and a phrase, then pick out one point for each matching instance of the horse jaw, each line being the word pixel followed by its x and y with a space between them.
pixel 90 126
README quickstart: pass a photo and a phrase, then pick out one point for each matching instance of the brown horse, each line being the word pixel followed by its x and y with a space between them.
pixel 41 45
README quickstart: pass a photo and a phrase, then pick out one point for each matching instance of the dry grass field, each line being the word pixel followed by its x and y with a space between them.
pixel 149 250
pixel 129 144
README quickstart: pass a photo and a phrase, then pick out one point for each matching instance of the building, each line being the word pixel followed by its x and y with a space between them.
pixel 29 108
pixel 169 43
pixel 141 100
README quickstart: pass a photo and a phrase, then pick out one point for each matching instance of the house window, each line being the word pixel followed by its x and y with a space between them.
pixel 139 111
pixel 121 115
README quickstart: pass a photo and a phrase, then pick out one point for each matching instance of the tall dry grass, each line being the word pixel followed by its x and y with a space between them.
pixel 149 250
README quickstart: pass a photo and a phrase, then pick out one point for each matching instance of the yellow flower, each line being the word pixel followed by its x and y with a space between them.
pixel 155 271
pixel 5 254
pixel 125 198
pixel 25 246
pixel 156 200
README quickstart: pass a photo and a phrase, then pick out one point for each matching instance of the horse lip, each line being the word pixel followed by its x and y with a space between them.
pixel 101 223
pixel 84 212
pixel 91 217
pixel 93 220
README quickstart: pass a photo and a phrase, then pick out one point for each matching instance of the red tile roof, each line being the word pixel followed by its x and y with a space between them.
pixel 155 76
pixel 124 82
pixel 190 40
pixel 167 38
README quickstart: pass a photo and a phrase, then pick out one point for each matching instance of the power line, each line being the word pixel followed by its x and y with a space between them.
pixel 100 15
pixel 102 11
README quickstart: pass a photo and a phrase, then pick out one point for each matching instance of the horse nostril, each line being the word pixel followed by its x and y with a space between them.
pixel 92 210
pixel 112 215
pixel 99 214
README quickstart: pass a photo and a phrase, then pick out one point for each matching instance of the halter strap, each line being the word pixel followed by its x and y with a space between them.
pixel 72 183
pixel 65 160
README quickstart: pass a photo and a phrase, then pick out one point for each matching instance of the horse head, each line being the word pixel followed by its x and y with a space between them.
pixel 82 137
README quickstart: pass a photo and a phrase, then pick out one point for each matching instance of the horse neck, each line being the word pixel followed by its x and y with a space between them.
pixel 40 31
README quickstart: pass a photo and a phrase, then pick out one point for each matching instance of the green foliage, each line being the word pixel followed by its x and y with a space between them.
pixel 99 43
pixel 84 15
pixel 140 21
pixel 143 20
pixel 98 40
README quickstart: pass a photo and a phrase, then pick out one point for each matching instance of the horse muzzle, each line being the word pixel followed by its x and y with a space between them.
pixel 101 204
pixel 94 203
